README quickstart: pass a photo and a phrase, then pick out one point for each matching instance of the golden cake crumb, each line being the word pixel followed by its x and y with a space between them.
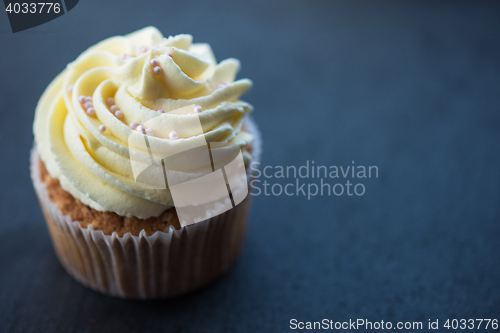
pixel 108 222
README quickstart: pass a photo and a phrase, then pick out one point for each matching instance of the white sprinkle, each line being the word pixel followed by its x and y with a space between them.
pixel 198 109
pixel 154 62
pixel 110 101
pixel 102 128
pixel 88 99
pixel 70 89
pixel 157 70
pixel 161 111
pixel 150 131
pixel 90 111
pixel 88 105
pixel 141 129
pixel 173 135
pixel 81 99
pixel 113 108
pixel 118 114
pixel 133 125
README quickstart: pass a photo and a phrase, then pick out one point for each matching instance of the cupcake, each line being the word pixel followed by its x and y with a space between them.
pixel 141 164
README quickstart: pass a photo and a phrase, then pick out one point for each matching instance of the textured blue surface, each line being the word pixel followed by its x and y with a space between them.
pixel 413 88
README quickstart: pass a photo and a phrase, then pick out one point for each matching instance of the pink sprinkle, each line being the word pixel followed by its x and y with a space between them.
pixel 88 105
pixel 169 54
pixel 150 131
pixel 173 135
pixel 154 62
pixel 161 111
pixel 113 108
pixel 110 101
pixel 88 99
pixel 123 55
pixel 102 128
pixel 157 70
pixel 141 129
pixel 198 109
pixel 81 99
pixel 70 89
pixel 91 111
pixel 133 125
pixel 118 114
pixel 143 48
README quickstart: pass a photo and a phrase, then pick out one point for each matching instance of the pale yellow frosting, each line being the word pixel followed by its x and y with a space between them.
pixel 95 167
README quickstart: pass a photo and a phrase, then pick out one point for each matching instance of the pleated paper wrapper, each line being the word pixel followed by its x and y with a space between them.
pixel 156 266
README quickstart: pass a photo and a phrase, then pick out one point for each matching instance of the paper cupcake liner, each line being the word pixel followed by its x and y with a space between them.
pixel 155 266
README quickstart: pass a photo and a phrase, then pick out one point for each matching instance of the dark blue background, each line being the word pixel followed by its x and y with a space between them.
pixel 412 87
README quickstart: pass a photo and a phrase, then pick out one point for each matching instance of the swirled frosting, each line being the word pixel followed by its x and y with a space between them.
pixel 95 166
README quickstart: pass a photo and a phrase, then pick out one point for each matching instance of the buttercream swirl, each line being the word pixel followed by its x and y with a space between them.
pixel 95 166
